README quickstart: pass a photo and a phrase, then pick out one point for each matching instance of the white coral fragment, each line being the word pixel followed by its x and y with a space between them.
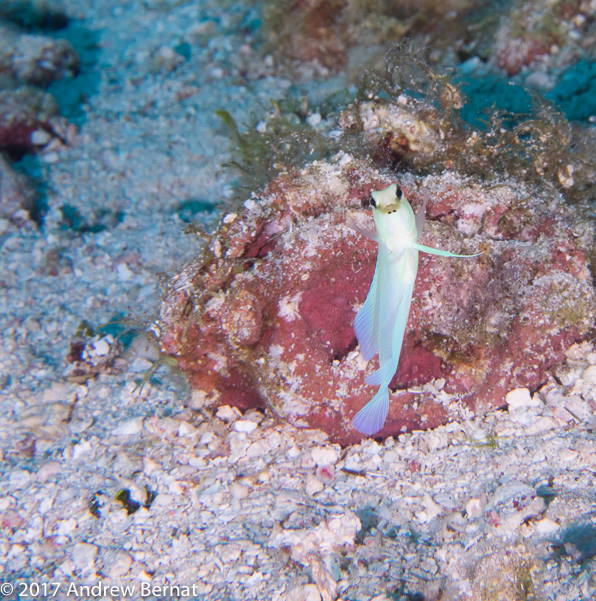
pixel 288 307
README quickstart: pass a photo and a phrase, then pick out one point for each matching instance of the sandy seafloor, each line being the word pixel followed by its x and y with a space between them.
pixel 247 507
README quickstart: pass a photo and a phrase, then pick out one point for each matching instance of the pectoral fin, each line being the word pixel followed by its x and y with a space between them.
pixel 440 253
pixel 364 229
pixel 420 216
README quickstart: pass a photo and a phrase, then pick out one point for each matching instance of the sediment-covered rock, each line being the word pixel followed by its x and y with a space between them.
pixel 35 59
pixel 395 132
pixel 17 198
pixel 536 33
pixel 266 318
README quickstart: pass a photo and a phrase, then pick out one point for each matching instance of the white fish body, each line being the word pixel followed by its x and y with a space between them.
pixel 381 323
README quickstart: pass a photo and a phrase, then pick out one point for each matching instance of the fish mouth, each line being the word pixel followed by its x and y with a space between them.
pixel 389 209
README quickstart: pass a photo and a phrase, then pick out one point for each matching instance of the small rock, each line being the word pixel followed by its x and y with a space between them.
pixel 245 426
pixel 175 487
pixel 480 435
pixel 239 491
pixel 519 399
pixel 589 374
pixel 81 449
pixel 539 80
pixel 65 527
pixel 141 516
pixel 19 478
pixel 124 273
pixel 40 59
pixel 129 428
pixel 87 358
pixel 149 466
pixel 83 555
pixel 144 576
pixel 11 520
pixel 573 552
pixel 568 455
pixel 256 450
pixel 40 137
pixel 325 473
pixel 207 438
pixel 45 505
pixel 228 414
pixel 448 501
pixel 167 58
pixel 324 455
pixel 293 452
pixel 506 494
pixel 313 486
pixel 50 157
pixel 475 508
pixel 199 399
pixel 255 579
pixel 547 527
pixel 543 425
pixel 119 564
pixel 186 430
pixel 140 365
pixel 163 500
pixel 431 509
pixel 314 119
pixel 306 592
pixel 578 408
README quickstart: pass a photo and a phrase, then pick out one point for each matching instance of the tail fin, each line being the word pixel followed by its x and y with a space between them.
pixel 371 418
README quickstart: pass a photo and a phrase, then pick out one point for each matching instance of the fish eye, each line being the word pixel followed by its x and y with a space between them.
pixel 398 192
pixel 373 202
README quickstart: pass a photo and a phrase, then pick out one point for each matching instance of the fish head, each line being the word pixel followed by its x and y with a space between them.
pixel 388 198
pixel 394 218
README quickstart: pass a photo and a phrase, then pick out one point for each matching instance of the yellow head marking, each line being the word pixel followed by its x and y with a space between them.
pixel 387 201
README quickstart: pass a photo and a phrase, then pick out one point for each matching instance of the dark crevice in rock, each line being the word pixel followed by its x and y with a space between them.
pixel 33 16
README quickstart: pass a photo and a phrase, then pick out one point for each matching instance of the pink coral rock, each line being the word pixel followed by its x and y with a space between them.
pixel 265 317
pixel 22 112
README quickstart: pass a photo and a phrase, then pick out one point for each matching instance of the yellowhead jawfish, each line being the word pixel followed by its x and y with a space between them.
pixel 381 323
